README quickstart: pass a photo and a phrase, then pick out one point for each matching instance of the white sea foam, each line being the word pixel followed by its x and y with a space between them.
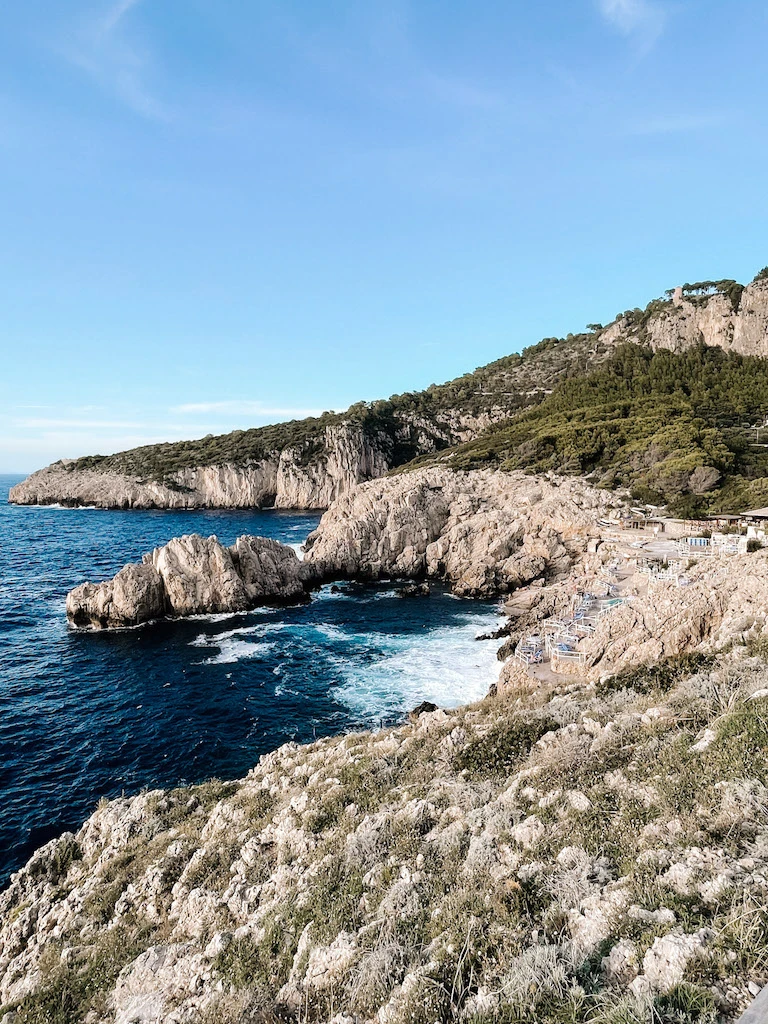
pixel 257 629
pixel 56 507
pixel 231 651
pixel 336 633
pixel 298 548
pixel 447 666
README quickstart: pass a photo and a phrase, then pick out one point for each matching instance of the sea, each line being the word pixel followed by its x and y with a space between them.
pixel 85 715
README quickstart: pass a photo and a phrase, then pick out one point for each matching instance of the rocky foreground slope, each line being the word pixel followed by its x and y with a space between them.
pixel 569 854
pixel 309 463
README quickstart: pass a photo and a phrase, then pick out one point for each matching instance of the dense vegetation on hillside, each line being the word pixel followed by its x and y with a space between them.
pixel 675 427
pixel 403 426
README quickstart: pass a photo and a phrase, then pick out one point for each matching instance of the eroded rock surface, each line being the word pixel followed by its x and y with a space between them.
pixel 721 601
pixel 192 575
pixel 546 838
pixel 483 532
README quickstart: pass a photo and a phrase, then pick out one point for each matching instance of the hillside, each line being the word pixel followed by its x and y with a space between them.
pixel 674 427
pixel 310 462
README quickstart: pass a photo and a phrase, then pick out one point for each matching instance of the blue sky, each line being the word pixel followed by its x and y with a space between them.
pixel 218 213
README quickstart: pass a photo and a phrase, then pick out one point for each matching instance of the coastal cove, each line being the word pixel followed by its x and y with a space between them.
pixel 84 716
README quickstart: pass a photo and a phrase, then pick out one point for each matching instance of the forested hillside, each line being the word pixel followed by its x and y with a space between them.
pixel 675 427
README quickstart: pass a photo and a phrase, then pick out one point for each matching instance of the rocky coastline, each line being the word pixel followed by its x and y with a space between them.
pixel 482 533
pixel 347 881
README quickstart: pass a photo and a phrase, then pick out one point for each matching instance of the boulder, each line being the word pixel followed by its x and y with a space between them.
pixel 192 575
pixel 136 594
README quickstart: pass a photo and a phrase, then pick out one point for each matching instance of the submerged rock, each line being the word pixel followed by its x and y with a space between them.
pixel 414 590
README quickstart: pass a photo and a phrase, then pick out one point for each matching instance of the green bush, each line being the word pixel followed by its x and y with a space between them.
pixel 503 746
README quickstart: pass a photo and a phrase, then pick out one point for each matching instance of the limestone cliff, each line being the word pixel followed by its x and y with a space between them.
pixel 285 479
pixel 737 322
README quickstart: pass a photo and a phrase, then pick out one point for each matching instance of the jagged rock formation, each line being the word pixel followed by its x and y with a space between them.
pixel 192 575
pixel 476 864
pixel 307 464
pixel 724 601
pixel 483 532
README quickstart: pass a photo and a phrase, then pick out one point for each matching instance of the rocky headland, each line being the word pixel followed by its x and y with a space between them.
pixel 309 463
pixel 284 479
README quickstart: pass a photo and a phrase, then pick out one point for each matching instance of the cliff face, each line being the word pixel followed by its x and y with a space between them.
pixel 288 479
pixel 711 319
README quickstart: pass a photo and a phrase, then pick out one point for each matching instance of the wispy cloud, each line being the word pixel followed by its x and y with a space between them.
pixel 243 408
pixel 642 19
pixel 102 48
pixel 681 124
pixel 41 423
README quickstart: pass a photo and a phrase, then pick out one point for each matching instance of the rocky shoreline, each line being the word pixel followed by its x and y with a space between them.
pixel 592 842
pixel 482 533
pixel 458 867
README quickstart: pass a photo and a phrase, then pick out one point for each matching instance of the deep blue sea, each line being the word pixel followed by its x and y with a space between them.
pixel 85 715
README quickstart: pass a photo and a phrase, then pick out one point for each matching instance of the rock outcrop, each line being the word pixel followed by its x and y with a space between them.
pixel 482 532
pixel 192 575
pixel 719 602
pixel 471 864
pixel 287 479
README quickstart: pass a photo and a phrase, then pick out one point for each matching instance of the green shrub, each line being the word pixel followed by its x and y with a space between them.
pixel 503 746
pixel 659 677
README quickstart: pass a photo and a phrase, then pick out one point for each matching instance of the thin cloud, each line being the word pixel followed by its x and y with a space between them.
pixel 677 125
pixel 641 19
pixel 101 48
pixel 39 423
pixel 116 14
pixel 242 408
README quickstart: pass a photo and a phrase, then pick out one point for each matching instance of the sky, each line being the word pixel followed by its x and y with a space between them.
pixel 220 213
